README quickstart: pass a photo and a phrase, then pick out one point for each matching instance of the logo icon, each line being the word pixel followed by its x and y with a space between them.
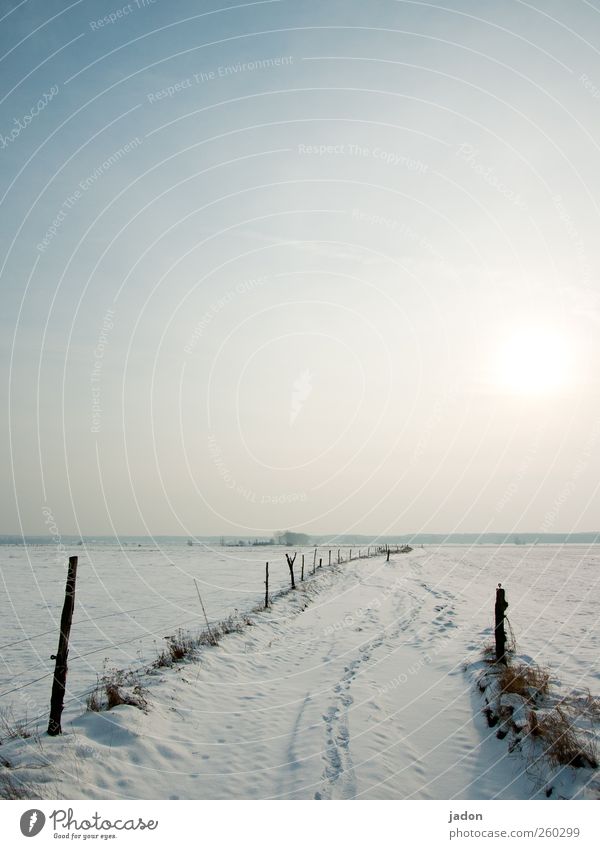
pixel 301 390
pixel 32 822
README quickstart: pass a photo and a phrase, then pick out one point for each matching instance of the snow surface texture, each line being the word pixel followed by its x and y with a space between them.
pixel 358 685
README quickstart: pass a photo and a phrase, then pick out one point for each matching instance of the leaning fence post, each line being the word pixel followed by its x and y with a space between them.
pixel 499 632
pixel 314 560
pixel 266 586
pixel 388 556
pixel 60 670
pixel 290 561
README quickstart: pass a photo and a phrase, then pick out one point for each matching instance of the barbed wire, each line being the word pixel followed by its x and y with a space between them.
pixel 28 684
pixel 82 622
pixel 113 645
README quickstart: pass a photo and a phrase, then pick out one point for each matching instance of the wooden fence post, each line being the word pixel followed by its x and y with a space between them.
pixel 499 632
pixel 350 554
pixel 266 586
pixel 314 560
pixel 338 556
pixel 302 574
pixel 388 556
pixel 330 557
pixel 320 562
pixel 60 670
pixel 290 561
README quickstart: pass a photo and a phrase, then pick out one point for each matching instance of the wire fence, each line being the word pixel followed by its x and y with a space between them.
pixel 312 561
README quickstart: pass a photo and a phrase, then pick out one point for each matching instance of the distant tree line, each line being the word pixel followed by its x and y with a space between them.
pixel 290 538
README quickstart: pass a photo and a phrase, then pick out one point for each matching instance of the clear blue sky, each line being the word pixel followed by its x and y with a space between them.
pixel 330 266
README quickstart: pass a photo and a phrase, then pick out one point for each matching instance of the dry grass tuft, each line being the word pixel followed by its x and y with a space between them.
pixel 527 681
pixel 584 705
pixel 564 746
pixel 179 646
pixel 117 687
pixel 230 626
pixel 94 702
pixel 12 728
pixel 488 652
pixel 184 644
pixel 11 788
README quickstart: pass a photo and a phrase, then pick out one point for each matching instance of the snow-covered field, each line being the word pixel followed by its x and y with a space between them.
pixel 357 685
pixel 127 600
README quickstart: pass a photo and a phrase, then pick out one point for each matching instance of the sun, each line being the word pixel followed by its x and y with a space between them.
pixel 534 361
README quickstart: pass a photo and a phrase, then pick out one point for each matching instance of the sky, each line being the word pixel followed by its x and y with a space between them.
pixel 321 266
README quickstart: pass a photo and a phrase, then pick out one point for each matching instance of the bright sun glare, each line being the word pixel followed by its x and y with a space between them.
pixel 534 361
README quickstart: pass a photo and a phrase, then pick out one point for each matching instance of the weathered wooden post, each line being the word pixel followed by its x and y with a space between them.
pixel 290 561
pixel 330 557
pixel 499 632
pixel 314 560
pixel 387 560
pixel 338 557
pixel 210 633
pixel 266 586
pixel 60 670
pixel 320 562
pixel 302 573
pixel 350 554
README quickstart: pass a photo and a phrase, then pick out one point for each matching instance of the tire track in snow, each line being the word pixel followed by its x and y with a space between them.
pixel 293 759
pixel 339 781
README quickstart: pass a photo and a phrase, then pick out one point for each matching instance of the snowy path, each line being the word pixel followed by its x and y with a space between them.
pixel 352 687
